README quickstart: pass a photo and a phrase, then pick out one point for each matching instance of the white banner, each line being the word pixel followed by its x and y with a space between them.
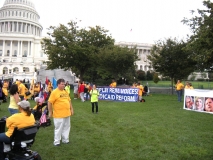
pixel 198 100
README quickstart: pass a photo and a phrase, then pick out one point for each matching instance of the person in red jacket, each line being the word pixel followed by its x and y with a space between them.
pixel 81 91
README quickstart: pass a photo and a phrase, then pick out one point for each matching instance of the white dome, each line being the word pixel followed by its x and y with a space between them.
pixel 28 3
pixel 20 16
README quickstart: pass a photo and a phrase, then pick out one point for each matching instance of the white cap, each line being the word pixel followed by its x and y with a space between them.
pixel 24 104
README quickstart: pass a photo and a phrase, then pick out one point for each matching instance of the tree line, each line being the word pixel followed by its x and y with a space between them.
pixel 91 52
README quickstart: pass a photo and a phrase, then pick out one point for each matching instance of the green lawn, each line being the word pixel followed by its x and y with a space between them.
pixel 195 84
pixel 156 129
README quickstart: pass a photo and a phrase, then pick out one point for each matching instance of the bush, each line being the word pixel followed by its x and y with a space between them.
pixel 201 79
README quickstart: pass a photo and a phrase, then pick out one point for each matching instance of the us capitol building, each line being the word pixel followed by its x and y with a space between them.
pixel 21 54
pixel 20 36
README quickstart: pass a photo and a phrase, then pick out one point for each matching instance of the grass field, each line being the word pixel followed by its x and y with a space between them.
pixel 156 129
pixel 195 84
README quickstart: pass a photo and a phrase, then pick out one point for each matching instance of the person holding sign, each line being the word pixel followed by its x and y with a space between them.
pixel 179 87
pixel 113 84
pixel 94 93
pixel 140 91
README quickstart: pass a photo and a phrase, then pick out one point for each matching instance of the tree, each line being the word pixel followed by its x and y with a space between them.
pixel 69 47
pixel 156 78
pixel 200 43
pixel 170 59
pixel 149 75
pixel 141 75
pixel 116 62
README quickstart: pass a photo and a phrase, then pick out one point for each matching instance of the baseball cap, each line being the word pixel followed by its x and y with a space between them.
pixel 24 104
pixel 38 100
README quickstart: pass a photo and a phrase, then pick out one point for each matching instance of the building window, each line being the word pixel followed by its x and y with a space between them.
pixel 8 52
pixel 15 69
pixel 15 53
pixel 5 70
pixel 25 54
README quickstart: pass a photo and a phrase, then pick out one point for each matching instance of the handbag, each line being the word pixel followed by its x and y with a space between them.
pixel 27 93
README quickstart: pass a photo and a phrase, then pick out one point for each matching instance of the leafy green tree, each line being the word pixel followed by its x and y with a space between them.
pixel 116 62
pixel 69 47
pixel 149 75
pixel 141 75
pixel 156 78
pixel 170 59
pixel 200 43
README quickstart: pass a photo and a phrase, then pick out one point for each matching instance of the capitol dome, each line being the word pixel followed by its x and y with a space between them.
pixel 20 39
pixel 19 16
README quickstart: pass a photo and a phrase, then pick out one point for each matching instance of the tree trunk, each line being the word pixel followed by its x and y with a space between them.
pixel 172 85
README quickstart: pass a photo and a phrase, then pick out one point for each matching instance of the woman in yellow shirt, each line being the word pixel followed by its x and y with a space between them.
pixel 19 120
pixel 179 87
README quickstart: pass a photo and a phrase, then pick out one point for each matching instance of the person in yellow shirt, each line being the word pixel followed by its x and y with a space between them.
pixel 60 108
pixel 187 86
pixel 179 87
pixel 5 87
pixel 140 91
pixel 113 84
pixel 49 86
pixel 36 89
pixel 21 90
pixel 19 120
pixel 94 98
pixel 190 86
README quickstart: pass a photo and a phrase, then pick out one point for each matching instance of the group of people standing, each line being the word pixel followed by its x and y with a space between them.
pixel 180 87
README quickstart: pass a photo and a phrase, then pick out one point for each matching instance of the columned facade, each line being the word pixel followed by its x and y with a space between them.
pixel 143 50
pixel 20 39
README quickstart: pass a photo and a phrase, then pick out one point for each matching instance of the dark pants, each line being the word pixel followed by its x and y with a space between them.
pixel 179 94
pixel 3 138
pixel 96 105
pixel 87 94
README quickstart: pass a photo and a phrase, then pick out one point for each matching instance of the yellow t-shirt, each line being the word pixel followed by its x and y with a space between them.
pixel 19 120
pixel 60 100
pixel 179 86
pixel 22 89
pixel 36 88
pixel 113 84
pixel 187 87
pixel 140 91
pixel 13 103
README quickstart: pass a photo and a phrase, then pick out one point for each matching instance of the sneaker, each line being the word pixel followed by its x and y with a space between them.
pixel 66 142
pixel 56 145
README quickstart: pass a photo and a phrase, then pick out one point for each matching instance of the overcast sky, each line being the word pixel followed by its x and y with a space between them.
pixel 142 21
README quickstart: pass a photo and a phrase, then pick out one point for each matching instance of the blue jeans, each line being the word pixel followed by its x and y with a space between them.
pixel 12 111
pixel 3 138
pixel 179 94
pixel 87 95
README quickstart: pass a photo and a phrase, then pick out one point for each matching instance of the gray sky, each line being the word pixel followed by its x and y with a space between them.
pixel 142 21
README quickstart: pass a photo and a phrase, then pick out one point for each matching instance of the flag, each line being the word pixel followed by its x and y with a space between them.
pixel 46 84
pixel 54 83
pixel 32 86
pixel 43 118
